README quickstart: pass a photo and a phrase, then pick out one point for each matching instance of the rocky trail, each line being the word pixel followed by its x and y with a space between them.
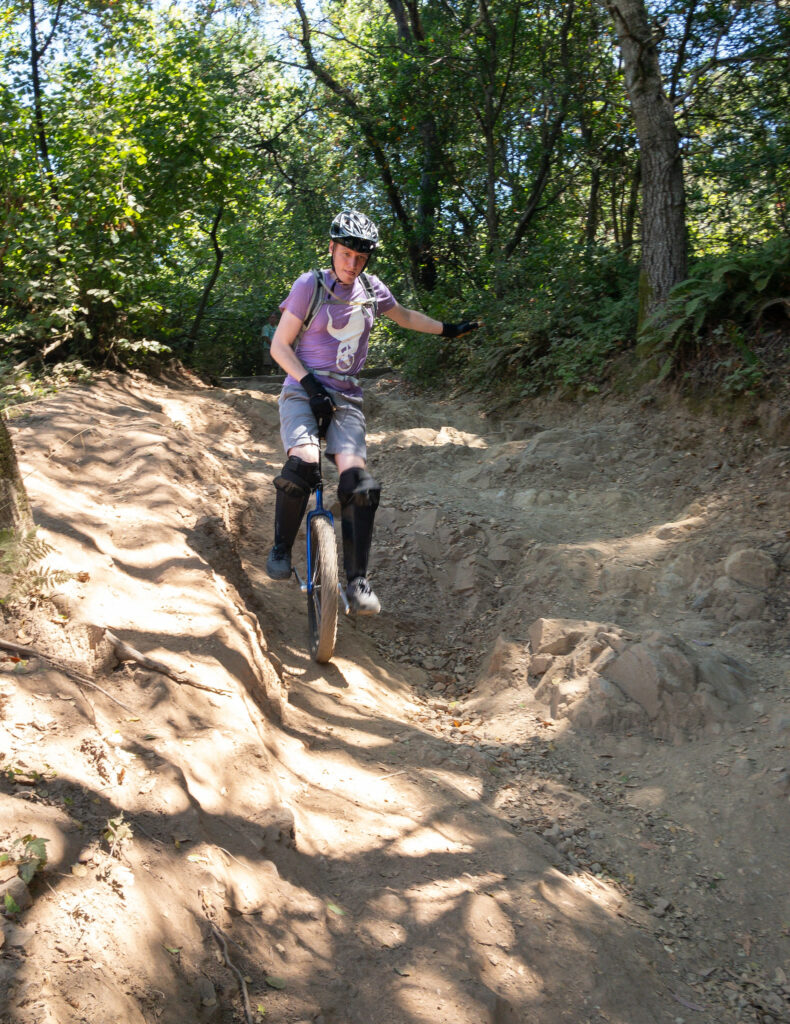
pixel 551 782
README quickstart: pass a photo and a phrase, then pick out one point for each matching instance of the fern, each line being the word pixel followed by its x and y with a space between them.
pixel 724 298
pixel 18 559
pixel 38 549
pixel 29 582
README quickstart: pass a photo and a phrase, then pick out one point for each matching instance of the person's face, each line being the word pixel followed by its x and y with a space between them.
pixel 347 263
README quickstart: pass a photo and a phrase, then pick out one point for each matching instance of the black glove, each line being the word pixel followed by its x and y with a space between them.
pixel 456 330
pixel 321 402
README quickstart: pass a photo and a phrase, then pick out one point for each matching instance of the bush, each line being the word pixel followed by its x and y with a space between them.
pixel 563 330
pixel 567 330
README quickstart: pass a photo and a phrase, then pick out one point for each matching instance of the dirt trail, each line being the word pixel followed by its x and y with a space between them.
pixel 550 782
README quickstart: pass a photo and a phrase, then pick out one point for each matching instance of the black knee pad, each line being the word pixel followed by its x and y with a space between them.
pixel 298 477
pixel 358 487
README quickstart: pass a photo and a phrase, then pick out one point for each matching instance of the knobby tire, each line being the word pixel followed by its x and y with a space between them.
pixel 323 600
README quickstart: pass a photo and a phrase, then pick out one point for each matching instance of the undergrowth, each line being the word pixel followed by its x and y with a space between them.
pixel 724 330
pixel 719 322
pixel 27 855
pixel 547 331
pixel 21 385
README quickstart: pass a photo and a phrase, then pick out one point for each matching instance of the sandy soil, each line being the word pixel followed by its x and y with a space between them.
pixel 549 783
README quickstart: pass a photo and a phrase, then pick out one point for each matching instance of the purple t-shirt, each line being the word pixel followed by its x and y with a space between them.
pixel 337 340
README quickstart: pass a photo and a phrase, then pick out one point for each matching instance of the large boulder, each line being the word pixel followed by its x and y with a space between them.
pixel 600 677
pixel 751 566
pixel 559 636
pixel 680 687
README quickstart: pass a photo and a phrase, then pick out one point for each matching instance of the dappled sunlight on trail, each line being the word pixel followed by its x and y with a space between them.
pixel 462 817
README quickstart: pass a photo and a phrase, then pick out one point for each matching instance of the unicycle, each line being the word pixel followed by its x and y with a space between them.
pixel 322 586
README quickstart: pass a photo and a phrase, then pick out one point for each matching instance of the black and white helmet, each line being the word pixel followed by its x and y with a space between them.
pixel 355 231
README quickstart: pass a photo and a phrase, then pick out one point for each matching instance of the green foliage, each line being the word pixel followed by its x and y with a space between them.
pixel 720 307
pixel 117 832
pixel 425 358
pixel 18 386
pixel 28 855
pixel 26 548
pixel 581 318
pixel 29 582
pixel 19 555
pixel 149 135
pixel 193 163
pixel 563 334
pixel 11 906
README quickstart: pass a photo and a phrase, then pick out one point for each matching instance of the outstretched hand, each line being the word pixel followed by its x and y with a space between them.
pixel 456 330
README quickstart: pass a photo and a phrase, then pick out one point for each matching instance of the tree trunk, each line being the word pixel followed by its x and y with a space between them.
pixel 16 522
pixel 550 136
pixel 664 240
pixel 419 235
pixel 550 139
pixel 212 279
pixel 36 53
pixel 419 239
pixel 631 209
pixel 428 203
pixel 593 208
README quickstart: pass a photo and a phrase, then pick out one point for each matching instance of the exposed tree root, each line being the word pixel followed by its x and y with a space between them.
pixel 78 677
pixel 242 984
pixel 126 652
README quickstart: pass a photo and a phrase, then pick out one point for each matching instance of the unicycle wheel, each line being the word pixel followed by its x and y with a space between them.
pixel 322 595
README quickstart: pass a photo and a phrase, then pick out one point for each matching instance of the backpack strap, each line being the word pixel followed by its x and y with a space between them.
pixel 321 294
pixel 370 294
pixel 316 298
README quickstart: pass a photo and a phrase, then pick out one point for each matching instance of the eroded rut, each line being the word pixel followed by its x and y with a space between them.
pixel 486 530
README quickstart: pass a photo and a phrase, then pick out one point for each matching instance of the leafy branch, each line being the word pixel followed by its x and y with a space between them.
pixel 28 855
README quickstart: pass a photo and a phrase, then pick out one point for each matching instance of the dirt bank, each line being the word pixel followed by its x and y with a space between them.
pixel 550 782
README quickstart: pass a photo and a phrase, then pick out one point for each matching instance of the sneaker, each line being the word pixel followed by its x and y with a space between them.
pixel 361 598
pixel 278 564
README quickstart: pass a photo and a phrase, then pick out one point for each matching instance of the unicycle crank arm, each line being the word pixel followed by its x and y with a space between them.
pixel 343 598
pixel 302 583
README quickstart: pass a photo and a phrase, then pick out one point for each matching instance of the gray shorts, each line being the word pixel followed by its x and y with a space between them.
pixel 346 434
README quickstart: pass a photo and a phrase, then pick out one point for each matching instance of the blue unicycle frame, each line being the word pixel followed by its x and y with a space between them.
pixel 322 584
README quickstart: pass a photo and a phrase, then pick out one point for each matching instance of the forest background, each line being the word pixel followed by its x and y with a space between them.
pixel 604 183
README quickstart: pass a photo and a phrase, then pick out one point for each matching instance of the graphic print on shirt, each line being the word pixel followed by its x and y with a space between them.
pixel 347 337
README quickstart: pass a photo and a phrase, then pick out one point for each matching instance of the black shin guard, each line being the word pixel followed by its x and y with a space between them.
pixel 294 485
pixel 358 494
pixel 289 510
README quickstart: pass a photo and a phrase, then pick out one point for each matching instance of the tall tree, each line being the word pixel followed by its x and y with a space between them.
pixel 15 517
pixel 550 129
pixel 38 49
pixel 416 220
pixel 664 237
